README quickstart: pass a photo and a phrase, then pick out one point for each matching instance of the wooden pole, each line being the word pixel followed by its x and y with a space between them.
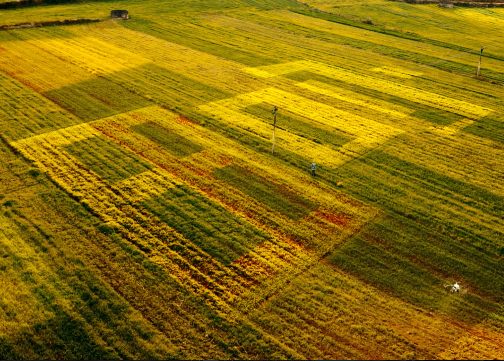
pixel 479 65
pixel 274 128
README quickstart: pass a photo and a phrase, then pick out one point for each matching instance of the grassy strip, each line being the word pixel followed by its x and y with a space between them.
pixel 216 230
pixel 95 99
pixel 199 40
pixel 49 23
pixel 269 193
pixel 437 116
pixel 7 4
pixel 171 141
pixel 110 161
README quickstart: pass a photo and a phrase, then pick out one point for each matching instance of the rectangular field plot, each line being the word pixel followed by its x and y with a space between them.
pixel 157 135
pixel 171 141
pixel 417 110
pixel 24 113
pixel 269 193
pixel 216 230
pixel 489 127
pixel 437 116
pixel 96 98
pixel 449 226
pixel 109 160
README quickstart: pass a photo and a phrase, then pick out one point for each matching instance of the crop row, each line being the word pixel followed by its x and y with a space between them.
pixel 455 155
pixel 90 54
pixel 322 88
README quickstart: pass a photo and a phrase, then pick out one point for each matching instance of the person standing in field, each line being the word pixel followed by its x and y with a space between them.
pixel 313 166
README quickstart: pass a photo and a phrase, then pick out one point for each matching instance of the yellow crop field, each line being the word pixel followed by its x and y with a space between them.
pixel 252 179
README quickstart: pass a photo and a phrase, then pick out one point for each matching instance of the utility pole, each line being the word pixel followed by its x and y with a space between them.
pixel 274 111
pixel 479 65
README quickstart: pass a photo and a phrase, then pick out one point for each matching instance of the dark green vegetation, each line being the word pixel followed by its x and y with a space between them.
pixel 269 193
pixel 489 127
pixel 92 99
pixel 43 116
pixel 199 40
pixel 110 161
pixel 399 256
pixel 171 141
pixel 168 87
pixel 216 230
pixel 437 116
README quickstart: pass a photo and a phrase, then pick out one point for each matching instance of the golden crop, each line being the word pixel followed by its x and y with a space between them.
pixel 156 134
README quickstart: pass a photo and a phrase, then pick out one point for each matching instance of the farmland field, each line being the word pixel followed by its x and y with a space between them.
pixel 144 216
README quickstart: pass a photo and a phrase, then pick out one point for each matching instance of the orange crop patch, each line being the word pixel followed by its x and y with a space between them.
pixel 225 161
pixel 184 121
pixel 140 119
pixel 338 219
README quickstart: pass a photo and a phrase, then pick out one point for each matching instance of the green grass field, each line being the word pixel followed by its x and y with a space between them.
pixel 144 216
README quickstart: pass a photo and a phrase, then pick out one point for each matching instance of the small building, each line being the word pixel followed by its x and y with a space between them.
pixel 119 14
pixel 446 4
